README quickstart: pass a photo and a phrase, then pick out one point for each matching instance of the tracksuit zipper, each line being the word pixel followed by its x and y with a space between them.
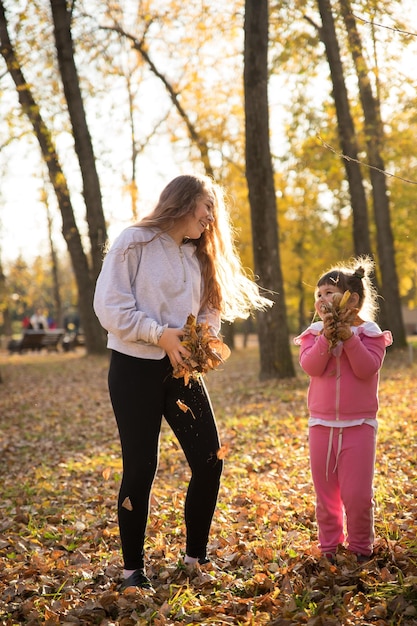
pixel 337 386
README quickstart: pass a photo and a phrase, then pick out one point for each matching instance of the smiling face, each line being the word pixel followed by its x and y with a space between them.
pixel 193 225
pixel 201 218
pixel 324 295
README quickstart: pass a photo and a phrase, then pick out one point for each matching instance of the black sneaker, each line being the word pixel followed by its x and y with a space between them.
pixel 137 579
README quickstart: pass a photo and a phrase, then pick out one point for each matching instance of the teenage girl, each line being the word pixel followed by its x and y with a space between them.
pixel 178 260
pixel 343 359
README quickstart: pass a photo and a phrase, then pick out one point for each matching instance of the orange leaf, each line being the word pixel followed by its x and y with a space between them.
pixel 223 451
pixel 107 473
pixel 182 406
pixel 127 504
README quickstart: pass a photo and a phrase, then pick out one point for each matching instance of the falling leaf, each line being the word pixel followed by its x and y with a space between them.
pixel 184 407
pixel 126 504
pixel 222 451
pixel 107 473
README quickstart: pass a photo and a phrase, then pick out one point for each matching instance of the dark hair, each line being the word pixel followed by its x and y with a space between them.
pixel 352 282
pixel 355 276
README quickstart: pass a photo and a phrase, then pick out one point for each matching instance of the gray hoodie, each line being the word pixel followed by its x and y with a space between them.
pixel 144 288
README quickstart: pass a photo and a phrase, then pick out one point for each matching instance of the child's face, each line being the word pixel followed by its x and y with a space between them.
pixel 324 295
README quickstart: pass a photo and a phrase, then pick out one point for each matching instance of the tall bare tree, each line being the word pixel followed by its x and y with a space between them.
pixel 54 263
pixel 4 303
pixel 275 353
pixel 346 129
pixel 84 275
pixel 61 16
pixel 374 133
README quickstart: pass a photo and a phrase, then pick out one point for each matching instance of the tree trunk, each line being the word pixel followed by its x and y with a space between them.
pixel 94 336
pixel 4 304
pixel 275 353
pixel 82 139
pixel 55 270
pixel 374 133
pixel 348 142
pixel 345 126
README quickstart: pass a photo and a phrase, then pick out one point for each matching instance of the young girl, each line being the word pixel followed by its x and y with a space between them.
pixel 179 260
pixel 343 357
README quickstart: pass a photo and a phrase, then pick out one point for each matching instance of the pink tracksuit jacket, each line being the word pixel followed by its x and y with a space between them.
pixel 343 388
pixel 343 382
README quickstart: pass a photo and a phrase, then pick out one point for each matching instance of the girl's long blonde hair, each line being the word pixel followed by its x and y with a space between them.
pixel 227 287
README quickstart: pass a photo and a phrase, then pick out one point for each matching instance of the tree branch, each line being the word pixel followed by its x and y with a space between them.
pixel 371 167
pixel 395 30
pixel 195 136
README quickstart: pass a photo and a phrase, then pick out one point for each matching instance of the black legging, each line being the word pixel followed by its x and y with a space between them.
pixel 141 392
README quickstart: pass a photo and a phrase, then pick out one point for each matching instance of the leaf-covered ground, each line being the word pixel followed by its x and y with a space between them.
pixel 60 469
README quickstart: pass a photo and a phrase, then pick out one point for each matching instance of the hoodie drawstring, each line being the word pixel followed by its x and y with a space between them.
pixel 329 450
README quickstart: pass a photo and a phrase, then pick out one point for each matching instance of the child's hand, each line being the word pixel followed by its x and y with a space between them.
pixel 343 332
pixel 329 328
pixel 348 316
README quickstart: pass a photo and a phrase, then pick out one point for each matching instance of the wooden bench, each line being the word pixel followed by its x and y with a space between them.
pixel 37 340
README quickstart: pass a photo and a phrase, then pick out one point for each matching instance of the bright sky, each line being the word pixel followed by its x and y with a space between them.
pixel 23 217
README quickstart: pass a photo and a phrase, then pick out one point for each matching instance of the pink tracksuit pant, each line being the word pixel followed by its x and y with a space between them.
pixel 342 464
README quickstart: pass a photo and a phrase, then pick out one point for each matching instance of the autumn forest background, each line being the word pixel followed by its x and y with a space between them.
pixel 305 111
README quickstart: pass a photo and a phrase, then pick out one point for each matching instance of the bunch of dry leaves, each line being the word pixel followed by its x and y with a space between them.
pixel 206 351
pixel 337 314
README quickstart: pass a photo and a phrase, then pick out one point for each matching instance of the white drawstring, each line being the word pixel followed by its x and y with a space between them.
pixel 339 447
pixel 329 450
